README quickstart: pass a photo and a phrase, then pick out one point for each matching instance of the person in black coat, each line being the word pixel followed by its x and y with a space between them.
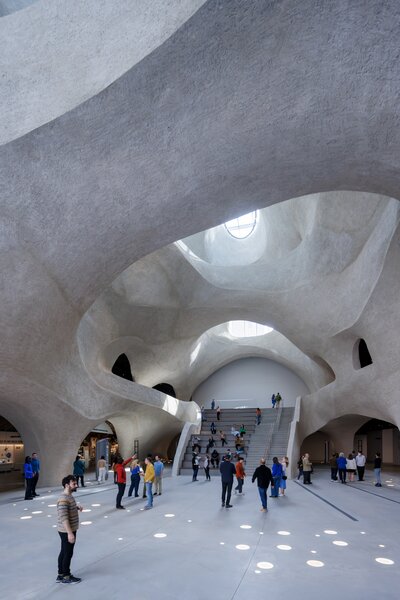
pixel 264 477
pixel 228 471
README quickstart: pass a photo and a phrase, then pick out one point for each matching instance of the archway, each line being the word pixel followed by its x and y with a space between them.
pixel 11 456
pixel 122 368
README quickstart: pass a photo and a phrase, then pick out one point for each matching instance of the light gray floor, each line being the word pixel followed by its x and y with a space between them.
pixel 206 552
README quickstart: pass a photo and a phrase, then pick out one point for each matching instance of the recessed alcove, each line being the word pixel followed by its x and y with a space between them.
pixel 361 355
pixel 122 368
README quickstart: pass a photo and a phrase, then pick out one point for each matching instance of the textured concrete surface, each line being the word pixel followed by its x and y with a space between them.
pixel 125 130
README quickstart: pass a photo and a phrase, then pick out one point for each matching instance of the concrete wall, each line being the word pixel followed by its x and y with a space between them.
pixel 253 381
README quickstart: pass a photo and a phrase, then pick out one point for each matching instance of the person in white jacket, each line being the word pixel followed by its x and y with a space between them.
pixel 351 467
pixel 360 463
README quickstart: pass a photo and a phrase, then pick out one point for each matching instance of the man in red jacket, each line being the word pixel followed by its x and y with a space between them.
pixel 240 475
pixel 121 478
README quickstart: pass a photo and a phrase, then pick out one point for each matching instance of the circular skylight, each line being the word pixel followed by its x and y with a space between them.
pixel 247 329
pixel 243 226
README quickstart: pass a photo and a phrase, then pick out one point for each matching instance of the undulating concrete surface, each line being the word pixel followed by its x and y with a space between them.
pixel 131 132
pixel 190 547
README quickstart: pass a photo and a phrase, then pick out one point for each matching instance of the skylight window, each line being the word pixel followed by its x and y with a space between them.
pixel 247 329
pixel 243 226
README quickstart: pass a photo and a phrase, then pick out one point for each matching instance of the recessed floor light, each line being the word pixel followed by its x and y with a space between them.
pixel 362 532
pixel 381 545
pixel 313 551
pixel 51 505
pixel 315 563
pixel 339 543
pixel 27 517
pixel 96 505
pixel 169 515
pixel 284 547
pixel 120 539
pixel 189 520
pixel 283 532
pixel 257 571
pixel 242 547
pixel 87 510
pixel 160 535
pixel 86 522
pixel 261 532
pixel 106 516
pixel 265 565
pixel 317 535
pixel 222 543
pixel 245 527
pixel 37 512
pixel 385 561
pixel 330 531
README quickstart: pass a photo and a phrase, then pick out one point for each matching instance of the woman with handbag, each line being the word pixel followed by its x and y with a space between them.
pixel 285 464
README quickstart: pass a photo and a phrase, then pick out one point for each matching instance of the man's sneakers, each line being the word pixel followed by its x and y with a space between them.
pixel 223 505
pixel 68 579
pixel 120 507
pixel 228 505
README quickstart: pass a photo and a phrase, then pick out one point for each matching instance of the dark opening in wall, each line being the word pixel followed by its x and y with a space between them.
pixel 122 368
pixel 166 388
pixel 363 354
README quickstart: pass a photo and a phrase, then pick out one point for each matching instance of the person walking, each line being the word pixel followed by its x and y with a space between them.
pixel 79 470
pixel 28 475
pixel 206 467
pixel 285 464
pixel 158 475
pixel 264 478
pixel 240 475
pixel 334 467
pixel 36 471
pixel 67 526
pixel 307 469
pixel 228 471
pixel 341 463
pixel 213 429
pixel 218 413
pixel 276 477
pixel 149 477
pixel 121 479
pixel 101 469
pixel 258 416
pixel 213 404
pixel 273 401
pixel 135 478
pixel 377 469
pixel 360 464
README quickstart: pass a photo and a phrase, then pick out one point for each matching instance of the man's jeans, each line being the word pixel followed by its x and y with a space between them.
pixel 378 476
pixel 275 489
pixel 65 556
pixel 263 496
pixel 149 493
pixel 226 492
pixel 239 486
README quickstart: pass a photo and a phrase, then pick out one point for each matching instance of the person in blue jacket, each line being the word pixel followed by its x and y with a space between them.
pixel 341 463
pixel 79 470
pixel 28 474
pixel 36 470
pixel 276 477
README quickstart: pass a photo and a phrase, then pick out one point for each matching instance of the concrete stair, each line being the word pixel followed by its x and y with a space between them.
pixel 230 417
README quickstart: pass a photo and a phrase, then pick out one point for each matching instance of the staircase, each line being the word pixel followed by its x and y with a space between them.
pixel 229 417
pixel 270 438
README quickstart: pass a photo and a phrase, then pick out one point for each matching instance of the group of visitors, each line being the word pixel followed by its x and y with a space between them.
pixel 264 475
pixel 31 475
pixel 305 468
pixel 151 472
pixel 345 469
pixel 276 400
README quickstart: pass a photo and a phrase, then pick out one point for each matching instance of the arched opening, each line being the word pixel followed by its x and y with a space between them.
pixel 379 436
pixel 361 355
pixel 354 433
pixel 166 388
pixel 122 368
pixel 11 456
pixel 100 441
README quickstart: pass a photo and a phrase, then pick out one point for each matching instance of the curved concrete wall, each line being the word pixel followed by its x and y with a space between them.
pixel 110 155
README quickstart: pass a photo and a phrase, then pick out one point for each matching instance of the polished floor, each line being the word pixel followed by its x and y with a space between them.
pixel 327 541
